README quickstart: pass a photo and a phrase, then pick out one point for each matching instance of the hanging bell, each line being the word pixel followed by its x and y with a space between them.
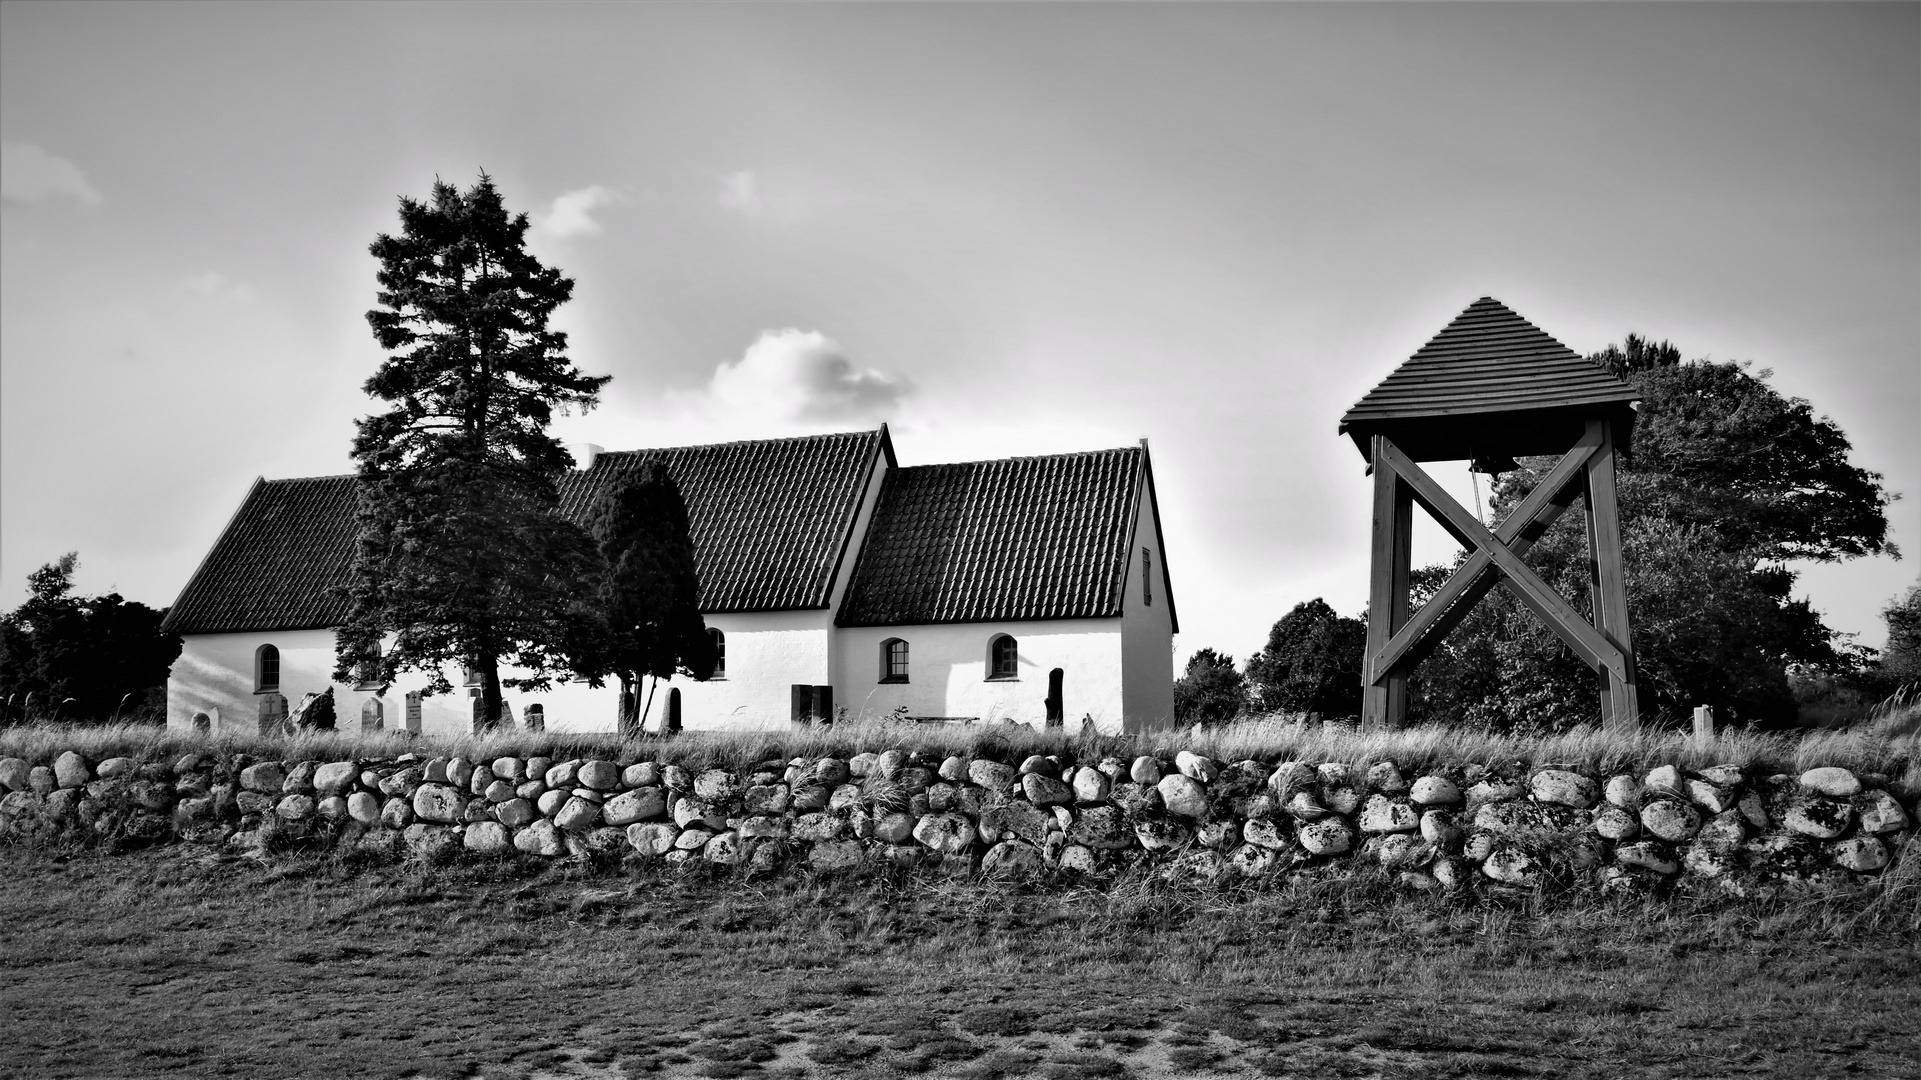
pixel 1492 464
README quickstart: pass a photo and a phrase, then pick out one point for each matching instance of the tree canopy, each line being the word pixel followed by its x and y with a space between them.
pixel 462 555
pixel 84 656
pixel 1311 664
pixel 645 601
pixel 1210 691
pixel 1719 448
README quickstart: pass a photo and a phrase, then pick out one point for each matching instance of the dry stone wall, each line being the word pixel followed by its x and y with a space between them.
pixel 1489 829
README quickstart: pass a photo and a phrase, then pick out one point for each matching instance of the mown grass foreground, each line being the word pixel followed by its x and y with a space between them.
pixel 157 963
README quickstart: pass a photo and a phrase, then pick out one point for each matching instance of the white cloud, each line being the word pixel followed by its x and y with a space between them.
pixel 217 286
pixel 29 174
pixel 801 376
pixel 740 192
pixel 571 213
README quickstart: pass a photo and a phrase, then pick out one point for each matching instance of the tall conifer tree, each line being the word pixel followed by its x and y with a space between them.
pixel 462 555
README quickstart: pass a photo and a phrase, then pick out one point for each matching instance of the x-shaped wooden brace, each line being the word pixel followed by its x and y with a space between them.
pixel 1397 643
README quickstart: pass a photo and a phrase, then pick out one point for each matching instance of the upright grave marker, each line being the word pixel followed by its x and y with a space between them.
pixel 1489 388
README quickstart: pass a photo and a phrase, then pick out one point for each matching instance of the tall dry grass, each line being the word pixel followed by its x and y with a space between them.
pixel 1891 744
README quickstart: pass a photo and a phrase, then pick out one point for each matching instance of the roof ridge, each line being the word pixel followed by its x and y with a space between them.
pixel 1022 457
pixel 300 479
pixel 745 442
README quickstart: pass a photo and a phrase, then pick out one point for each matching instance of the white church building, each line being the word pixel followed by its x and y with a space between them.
pixel 836 582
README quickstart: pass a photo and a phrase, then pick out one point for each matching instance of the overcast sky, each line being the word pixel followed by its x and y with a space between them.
pixel 1005 229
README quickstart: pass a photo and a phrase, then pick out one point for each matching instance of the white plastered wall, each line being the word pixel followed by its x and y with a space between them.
pixel 214 674
pixel 767 652
pixel 1147 632
pixel 947 671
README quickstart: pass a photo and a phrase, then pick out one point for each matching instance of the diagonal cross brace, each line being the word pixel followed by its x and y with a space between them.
pixel 1498 558
pixel 1476 576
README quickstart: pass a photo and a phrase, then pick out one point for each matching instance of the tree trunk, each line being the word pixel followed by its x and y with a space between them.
pixel 651 686
pixel 628 721
pixel 489 693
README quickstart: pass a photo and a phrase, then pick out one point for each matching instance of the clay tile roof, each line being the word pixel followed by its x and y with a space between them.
pixel 1019 538
pixel 1488 360
pixel 275 565
pixel 770 521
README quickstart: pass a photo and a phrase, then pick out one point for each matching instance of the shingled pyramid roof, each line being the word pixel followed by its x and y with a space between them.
pixel 1018 538
pixel 770 520
pixel 1489 363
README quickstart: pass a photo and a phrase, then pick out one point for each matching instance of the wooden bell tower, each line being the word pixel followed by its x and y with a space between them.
pixel 1489 388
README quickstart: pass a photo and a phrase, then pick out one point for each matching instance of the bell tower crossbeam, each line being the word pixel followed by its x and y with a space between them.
pixel 1398 641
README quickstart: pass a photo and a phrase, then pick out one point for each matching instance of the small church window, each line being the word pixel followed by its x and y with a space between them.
pixel 266 670
pixel 720 653
pixel 1147 576
pixel 893 661
pixel 367 672
pixel 1003 658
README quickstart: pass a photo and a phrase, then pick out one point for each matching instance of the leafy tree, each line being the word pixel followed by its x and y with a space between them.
pixel 95 651
pixel 1710 627
pixel 645 618
pixel 1312 663
pixel 1728 480
pixel 1210 691
pixel 1900 662
pixel 1721 449
pixel 462 555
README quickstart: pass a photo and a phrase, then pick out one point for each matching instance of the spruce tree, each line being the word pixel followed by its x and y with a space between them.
pixel 462 555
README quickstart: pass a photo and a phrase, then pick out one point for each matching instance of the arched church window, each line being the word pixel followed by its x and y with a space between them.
pixel 1003 657
pixel 266 670
pixel 893 661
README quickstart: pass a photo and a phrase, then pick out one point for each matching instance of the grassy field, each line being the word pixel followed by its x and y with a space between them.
pixel 1891 745
pixel 170 963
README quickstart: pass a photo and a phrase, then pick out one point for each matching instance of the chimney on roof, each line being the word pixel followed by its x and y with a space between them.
pixel 584 454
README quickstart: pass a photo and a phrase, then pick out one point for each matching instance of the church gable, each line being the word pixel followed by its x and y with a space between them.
pixel 277 564
pixel 1014 539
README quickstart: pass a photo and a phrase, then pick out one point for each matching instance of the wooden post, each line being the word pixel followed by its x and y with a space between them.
pixel 1619 708
pixel 1384 693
